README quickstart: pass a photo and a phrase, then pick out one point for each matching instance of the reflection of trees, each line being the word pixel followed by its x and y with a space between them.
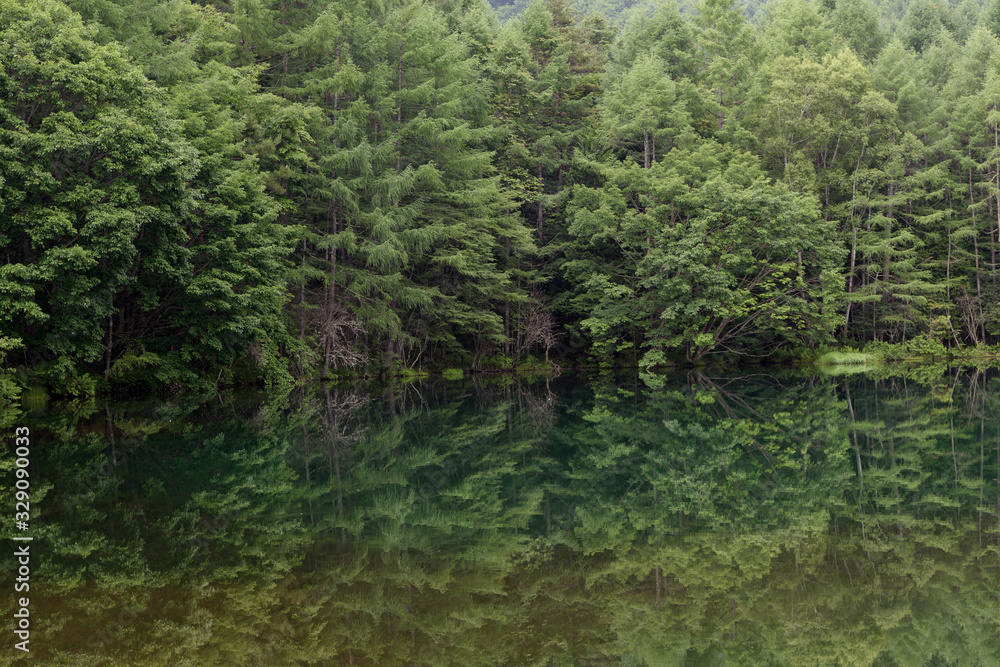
pixel 922 451
pixel 330 426
pixel 710 520
pixel 147 519
pixel 710 454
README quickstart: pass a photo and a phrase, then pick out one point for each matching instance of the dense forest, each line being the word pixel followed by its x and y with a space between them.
pixel 221 192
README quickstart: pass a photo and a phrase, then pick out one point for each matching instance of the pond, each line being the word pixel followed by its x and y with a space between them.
pixel 791 518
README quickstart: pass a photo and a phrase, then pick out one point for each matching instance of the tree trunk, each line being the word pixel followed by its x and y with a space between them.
pixel 975 249
pixel 541 189
pixel 399 106
pixel 850 276
pixel 645 163
pixel 107 349
pixel 302 295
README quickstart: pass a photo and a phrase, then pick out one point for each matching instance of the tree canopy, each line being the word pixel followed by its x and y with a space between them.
pixel 205 193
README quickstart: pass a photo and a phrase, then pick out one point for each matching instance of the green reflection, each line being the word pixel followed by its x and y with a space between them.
pixel 785 520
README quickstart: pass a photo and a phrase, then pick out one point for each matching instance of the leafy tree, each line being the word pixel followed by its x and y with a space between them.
pixel 94 178
pixel 236 293
pixel 825 113
pixel 708 256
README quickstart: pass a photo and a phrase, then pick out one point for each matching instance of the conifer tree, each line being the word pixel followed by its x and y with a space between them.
pixel 643 112
pixel 796 27
pixel 857 24
pixel 729 56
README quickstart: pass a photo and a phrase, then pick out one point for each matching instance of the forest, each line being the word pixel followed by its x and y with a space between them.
pixel 196 193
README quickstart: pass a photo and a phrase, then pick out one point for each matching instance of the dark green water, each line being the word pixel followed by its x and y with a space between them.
pixel 739 520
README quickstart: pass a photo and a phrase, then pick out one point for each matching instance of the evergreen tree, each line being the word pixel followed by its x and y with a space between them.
pixel 922 23
pixel 730 57
pixel 407 224
pixel 990 17
pixel 856 23
pixel 665 34
pixel 796 28
pixel 643 111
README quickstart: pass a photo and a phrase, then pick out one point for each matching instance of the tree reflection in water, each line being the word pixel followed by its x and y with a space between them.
pixel 691 519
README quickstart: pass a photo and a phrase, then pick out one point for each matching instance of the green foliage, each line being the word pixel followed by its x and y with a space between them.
pixel 856 22
pixel 990 17
pixel 795 28
pixel 665 35
pixel 756 519
pixel 845 358
pixel 643 108
pixel 134 364
pixel 732 53
pixel 10 389
pixel 93 181
pixel 209 193
pixel 127 221
pixel 922 346
pixel 703 254
pixel 921 25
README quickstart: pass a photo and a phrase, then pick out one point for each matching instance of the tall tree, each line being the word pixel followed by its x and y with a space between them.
pixel 796 28
pixel 729 57
pixel 921 24
pixel 643 111
pixel 857 24
pixel 407 224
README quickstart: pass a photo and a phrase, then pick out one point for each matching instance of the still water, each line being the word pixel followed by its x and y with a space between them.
pixel 693 519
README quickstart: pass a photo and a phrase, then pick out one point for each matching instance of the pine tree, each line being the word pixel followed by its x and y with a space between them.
pixel 729 57
pixel 643 111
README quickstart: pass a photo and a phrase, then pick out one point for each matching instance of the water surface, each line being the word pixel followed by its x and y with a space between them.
pixel 694 519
